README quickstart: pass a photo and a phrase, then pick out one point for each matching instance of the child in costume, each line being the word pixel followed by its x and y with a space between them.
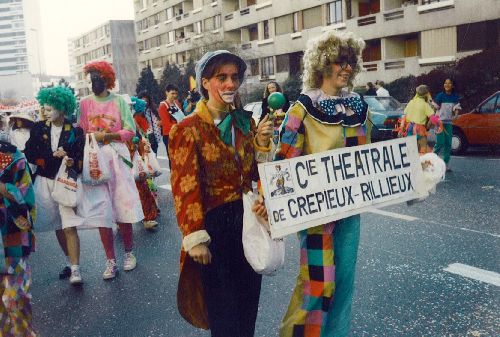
pixel 447 104
pixel 50 142
pixel 145 185
pixel 213 155
pixel 326 116
pixel 17 214
pixel 107 116
pixel 416 119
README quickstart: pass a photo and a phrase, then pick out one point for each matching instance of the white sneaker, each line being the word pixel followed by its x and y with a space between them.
pixel 111 270
pixel 150 224
pixel 130 262
pixel 76 277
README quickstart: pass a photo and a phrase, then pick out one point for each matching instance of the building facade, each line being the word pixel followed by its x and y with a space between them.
pixel 113 42
pixel 402 36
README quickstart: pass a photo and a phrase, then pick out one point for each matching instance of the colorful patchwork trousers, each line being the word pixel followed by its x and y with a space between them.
pixel 321 302
pixel 15 305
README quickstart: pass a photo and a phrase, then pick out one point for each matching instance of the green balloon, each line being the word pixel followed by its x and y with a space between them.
pixel 135 140
pixel 276 100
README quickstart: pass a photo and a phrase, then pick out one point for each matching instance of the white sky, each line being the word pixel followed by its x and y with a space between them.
pixel 63 19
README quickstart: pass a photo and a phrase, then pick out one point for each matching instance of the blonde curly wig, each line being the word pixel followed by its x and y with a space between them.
pixel 323 51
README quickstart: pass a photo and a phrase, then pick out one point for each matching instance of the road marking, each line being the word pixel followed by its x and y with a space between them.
pixel 162 157
pixel 393 215
pixel 474 273
pixel 166 187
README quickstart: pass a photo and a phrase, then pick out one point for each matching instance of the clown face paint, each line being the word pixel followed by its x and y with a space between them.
pixel 223 85
pixel 52 114
pixel 98 83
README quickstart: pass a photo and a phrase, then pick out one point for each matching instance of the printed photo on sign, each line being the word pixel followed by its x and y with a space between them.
pixel 280 179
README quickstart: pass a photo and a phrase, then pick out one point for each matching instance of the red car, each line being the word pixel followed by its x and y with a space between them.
pixel 480 127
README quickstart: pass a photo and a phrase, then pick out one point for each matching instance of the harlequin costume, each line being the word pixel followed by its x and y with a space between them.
pixel 17 214
pixel 321 302
pixel 146 187
pixel 111 115
pixel 208 178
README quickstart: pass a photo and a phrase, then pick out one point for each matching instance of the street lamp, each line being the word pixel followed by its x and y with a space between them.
pixel 38 52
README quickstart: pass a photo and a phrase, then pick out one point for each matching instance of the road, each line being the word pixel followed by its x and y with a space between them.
pixel 431 269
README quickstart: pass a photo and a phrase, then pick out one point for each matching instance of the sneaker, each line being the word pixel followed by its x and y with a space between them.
pixel 65 273
pixel 150 224
pixel 111 270
pixel 130 262
pixel 76 277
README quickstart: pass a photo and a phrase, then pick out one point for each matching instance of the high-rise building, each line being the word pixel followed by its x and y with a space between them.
pixel 21 47
pixel 113 42
pixel 402 36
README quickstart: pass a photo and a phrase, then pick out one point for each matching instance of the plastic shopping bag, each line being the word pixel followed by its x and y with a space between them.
pixel 140 171
pixel 95 168
pixel 264 254
pixel 152 164
pixel 65 185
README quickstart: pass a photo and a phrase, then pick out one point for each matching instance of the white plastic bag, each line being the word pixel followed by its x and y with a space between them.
pixel 140 171
pixel 264 254
pixel 152 164
pixel 65 186
pixel 95 168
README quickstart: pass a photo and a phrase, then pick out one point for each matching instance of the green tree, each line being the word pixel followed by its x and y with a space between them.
pixel 147 82
pixel 171 75
pixel 292 87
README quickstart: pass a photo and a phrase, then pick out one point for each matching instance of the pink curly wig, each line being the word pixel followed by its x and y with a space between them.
pixel 103 68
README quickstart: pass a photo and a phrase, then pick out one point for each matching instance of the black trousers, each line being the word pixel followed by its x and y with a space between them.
pixel 165 141
pixel 231 286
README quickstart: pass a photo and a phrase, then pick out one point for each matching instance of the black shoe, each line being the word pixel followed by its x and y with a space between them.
pixel 65 273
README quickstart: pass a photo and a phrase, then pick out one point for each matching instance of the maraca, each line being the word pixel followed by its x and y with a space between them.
pixel 276 100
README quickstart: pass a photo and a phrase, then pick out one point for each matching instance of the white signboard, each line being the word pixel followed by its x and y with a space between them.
pixel 311 190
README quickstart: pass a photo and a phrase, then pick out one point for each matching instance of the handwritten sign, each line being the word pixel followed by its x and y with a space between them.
pixel 315 189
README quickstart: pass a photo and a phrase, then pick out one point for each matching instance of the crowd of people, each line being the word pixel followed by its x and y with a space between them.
pixel 213 147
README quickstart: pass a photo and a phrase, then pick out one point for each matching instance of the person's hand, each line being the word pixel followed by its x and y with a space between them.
pixel 59 154
pixel 259 208
pixel 201 254
pixel 264 132
pixel 100 136
pixel 70 162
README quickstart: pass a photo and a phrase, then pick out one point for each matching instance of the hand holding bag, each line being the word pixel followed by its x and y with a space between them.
pixel 264 254
pixel 152 164
pixel 65 185
pixel 95 168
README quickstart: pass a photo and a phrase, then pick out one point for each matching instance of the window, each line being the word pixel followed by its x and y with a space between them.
pixel 253 33
pixel 217 21
pixel 254 67
pixel 156 18
pixel 198 27
pixel 426 2
pixel 296 22
pixel 171 37
pixel 283 25
pixel 490 106
pixel 334 12
pixel 266 29
pixel 170 13
pixel 372 51
pixel 478 36
pixel 106 30
pixel 267 66
pixel 312 17
pixel 282 63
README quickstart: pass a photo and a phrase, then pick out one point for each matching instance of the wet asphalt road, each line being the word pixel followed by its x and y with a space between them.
pixel 401 286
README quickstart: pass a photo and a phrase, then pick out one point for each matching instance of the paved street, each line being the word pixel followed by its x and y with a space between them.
pixel 402 287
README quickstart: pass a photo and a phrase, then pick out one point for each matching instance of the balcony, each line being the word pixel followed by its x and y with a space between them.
pixel 394 14
pixel 367 20
pixel 437 6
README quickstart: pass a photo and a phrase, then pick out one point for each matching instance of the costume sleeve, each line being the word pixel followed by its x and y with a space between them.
pixel 83 121
pixel 164 115
pixel 31 150
pixel 186 187
pixel 428 110
pixel 128 126
pixel 292 134
pixel 20 189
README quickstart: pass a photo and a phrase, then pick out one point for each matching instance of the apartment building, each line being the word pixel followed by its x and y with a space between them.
pixel 175 31
pixel 114 42
pixel 403 36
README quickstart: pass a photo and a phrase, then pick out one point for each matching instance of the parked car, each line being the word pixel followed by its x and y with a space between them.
pixel 480 127
pixel 256 108
pixel 385 114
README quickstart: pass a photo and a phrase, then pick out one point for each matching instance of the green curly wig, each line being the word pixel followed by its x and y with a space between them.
pixel 138 104
pixel 60 98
